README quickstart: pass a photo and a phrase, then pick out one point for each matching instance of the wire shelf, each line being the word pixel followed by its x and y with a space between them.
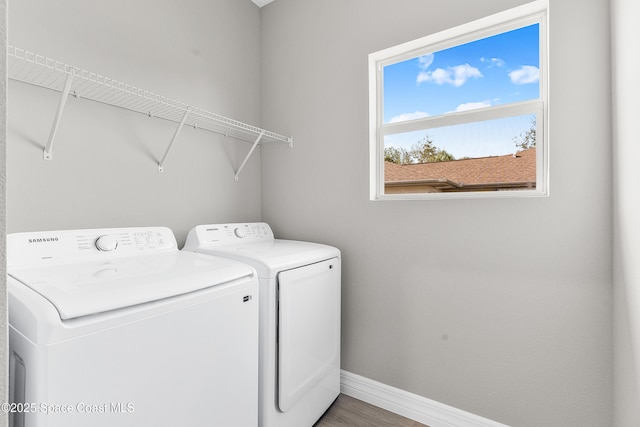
pixel 39 70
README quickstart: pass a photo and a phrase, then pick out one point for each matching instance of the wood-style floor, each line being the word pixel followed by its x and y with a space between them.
pixel 347 411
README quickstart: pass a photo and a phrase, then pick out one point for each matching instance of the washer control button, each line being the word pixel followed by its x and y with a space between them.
pixel 106 243
pixel 239 232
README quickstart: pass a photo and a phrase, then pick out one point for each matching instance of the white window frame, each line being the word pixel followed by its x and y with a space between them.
pixel 530 13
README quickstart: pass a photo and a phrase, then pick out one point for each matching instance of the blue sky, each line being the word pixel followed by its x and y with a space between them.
pixel 493 71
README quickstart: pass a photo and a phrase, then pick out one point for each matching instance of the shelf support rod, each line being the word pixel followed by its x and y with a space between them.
pixel 173 139
pixel 255 144
pixel 48 154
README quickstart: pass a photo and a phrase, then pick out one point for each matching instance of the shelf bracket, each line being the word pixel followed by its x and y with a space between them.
pixel 173 139
pixel 48 154
pixel 255 144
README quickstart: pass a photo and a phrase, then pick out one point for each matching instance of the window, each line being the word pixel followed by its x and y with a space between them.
pixel 462 113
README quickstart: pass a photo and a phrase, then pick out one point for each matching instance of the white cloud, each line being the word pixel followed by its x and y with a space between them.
pixel 525 74
pixel 473 105
pixel 425 61
pixel 408 116
pixel 456 76
pixel 493 62
pixel 438 76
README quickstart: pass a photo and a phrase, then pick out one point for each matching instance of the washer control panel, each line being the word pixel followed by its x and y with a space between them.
pixel 225 234
pixel 51 247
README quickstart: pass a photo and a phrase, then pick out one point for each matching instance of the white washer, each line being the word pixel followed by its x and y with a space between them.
pixel 299 317
pixel 116 327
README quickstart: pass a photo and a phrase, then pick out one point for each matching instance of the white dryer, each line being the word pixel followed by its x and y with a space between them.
pixel 116 327
pixel 299 317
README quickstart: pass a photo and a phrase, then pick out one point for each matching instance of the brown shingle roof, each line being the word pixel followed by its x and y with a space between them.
pixel 495 171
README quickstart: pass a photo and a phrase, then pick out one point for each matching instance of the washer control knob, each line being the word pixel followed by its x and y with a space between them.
pixel 239 232
pixel 106 243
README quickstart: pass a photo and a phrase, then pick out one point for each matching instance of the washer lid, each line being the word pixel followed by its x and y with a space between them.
pixel 82 289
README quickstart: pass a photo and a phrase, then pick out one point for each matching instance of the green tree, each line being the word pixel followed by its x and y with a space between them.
pixel 425 152
pixel 527 139
pixel 398 156
pixel 422 152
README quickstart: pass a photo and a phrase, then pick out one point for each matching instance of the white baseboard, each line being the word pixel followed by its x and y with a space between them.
pixel 409 405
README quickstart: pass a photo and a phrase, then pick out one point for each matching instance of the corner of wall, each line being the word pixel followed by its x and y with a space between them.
pixel 3 270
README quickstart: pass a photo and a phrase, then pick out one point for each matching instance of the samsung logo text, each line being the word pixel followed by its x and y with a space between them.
pixel 44 240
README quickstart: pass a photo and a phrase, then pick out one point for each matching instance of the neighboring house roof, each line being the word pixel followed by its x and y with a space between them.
pixel 485 173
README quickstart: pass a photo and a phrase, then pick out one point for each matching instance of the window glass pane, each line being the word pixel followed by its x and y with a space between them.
pixel 496 70
pixel 491 155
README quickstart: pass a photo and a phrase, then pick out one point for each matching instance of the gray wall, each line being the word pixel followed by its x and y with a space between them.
pixel 625 31
pixel 104 171
pixel 502 308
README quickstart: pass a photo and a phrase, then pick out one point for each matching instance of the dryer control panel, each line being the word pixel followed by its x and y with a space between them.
pixel 225 234
pixel 52 247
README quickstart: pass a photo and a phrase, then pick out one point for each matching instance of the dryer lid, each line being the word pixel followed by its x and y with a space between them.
pixel 270 258
pixel 254 244
pixel 96 286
